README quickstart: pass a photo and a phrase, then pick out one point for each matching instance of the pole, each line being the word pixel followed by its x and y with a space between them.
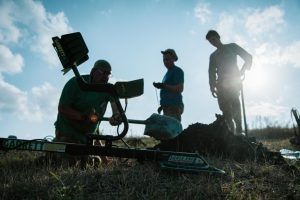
pixel 133 121
pixel 244 111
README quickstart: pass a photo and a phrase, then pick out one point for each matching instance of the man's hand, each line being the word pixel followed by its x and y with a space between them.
pixel 214 92
pixel 92 116
pixel 159 109
pixel 242 73
pixel 159 85
pixel 115 119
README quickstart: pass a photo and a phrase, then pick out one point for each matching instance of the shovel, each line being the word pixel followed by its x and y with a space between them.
pixel 160 127
pixel 244 111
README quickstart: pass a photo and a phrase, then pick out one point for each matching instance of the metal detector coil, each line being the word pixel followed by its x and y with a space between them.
pixel 71 50
pixel 129 89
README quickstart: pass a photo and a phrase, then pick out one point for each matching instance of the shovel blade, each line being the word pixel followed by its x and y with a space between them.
pixel 162 127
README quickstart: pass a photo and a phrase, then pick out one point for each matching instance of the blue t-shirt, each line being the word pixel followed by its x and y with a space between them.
pixel 174 76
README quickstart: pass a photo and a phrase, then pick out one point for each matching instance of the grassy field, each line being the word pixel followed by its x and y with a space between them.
pixel 21 178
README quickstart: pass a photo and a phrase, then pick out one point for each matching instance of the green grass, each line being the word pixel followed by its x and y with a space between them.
pixel 21 178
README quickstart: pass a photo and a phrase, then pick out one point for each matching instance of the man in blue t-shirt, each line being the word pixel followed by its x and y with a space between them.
pixel 171 86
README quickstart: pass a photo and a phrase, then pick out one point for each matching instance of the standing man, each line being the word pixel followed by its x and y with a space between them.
pixel 171 86
pixel 225 78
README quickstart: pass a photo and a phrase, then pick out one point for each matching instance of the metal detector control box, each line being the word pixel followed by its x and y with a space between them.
pixel 71 49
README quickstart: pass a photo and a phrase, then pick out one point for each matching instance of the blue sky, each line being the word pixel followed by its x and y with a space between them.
pixel 130 35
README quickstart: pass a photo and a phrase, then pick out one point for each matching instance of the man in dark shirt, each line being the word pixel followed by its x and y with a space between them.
pixel 225 78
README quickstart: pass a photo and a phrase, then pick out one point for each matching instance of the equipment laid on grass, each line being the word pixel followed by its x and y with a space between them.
pixel 178 161
pixel 289 154
pixel 72 51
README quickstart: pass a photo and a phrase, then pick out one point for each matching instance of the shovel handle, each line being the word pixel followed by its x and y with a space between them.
pixel 244 111
pixel 132 121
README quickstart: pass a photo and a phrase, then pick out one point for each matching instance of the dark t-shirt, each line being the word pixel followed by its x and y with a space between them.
pixel 84 102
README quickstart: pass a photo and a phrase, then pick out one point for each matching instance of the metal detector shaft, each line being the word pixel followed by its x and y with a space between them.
pixel 160 127
pixel 133 121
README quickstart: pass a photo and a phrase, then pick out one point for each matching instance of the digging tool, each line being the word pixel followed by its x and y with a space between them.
pixel 244 111
pixel 243 104
pixel 294 111
pixel 160 127
pixel 296 139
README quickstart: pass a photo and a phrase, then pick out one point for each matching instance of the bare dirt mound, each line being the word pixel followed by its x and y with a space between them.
pixel 216 139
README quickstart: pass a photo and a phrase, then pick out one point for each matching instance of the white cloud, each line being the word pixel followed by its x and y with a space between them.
pixel 39 104
pixel 46 97
pixel 8 32
pixel 265 114
pixel 226 26
pixel 202 12
pixel 26 24
pixel 106 12
pixel 9 62
pixel 11 98
pixel 52 25
pixel 266 21
pixel 291 54
pixel 268 54
pixel 266 109
pixel 28 21
pixel 272 54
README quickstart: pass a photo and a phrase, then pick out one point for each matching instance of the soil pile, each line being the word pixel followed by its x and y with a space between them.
pixel 216 139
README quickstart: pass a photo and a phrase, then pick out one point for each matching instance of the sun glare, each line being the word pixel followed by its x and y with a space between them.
pixel 256 79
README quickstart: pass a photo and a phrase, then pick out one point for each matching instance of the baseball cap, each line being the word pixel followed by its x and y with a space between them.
pixel 170 52
pixel 102 65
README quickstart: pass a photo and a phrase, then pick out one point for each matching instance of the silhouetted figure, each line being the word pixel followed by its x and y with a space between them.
pixel 225 78
pixel 80 112
pixel 171 86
